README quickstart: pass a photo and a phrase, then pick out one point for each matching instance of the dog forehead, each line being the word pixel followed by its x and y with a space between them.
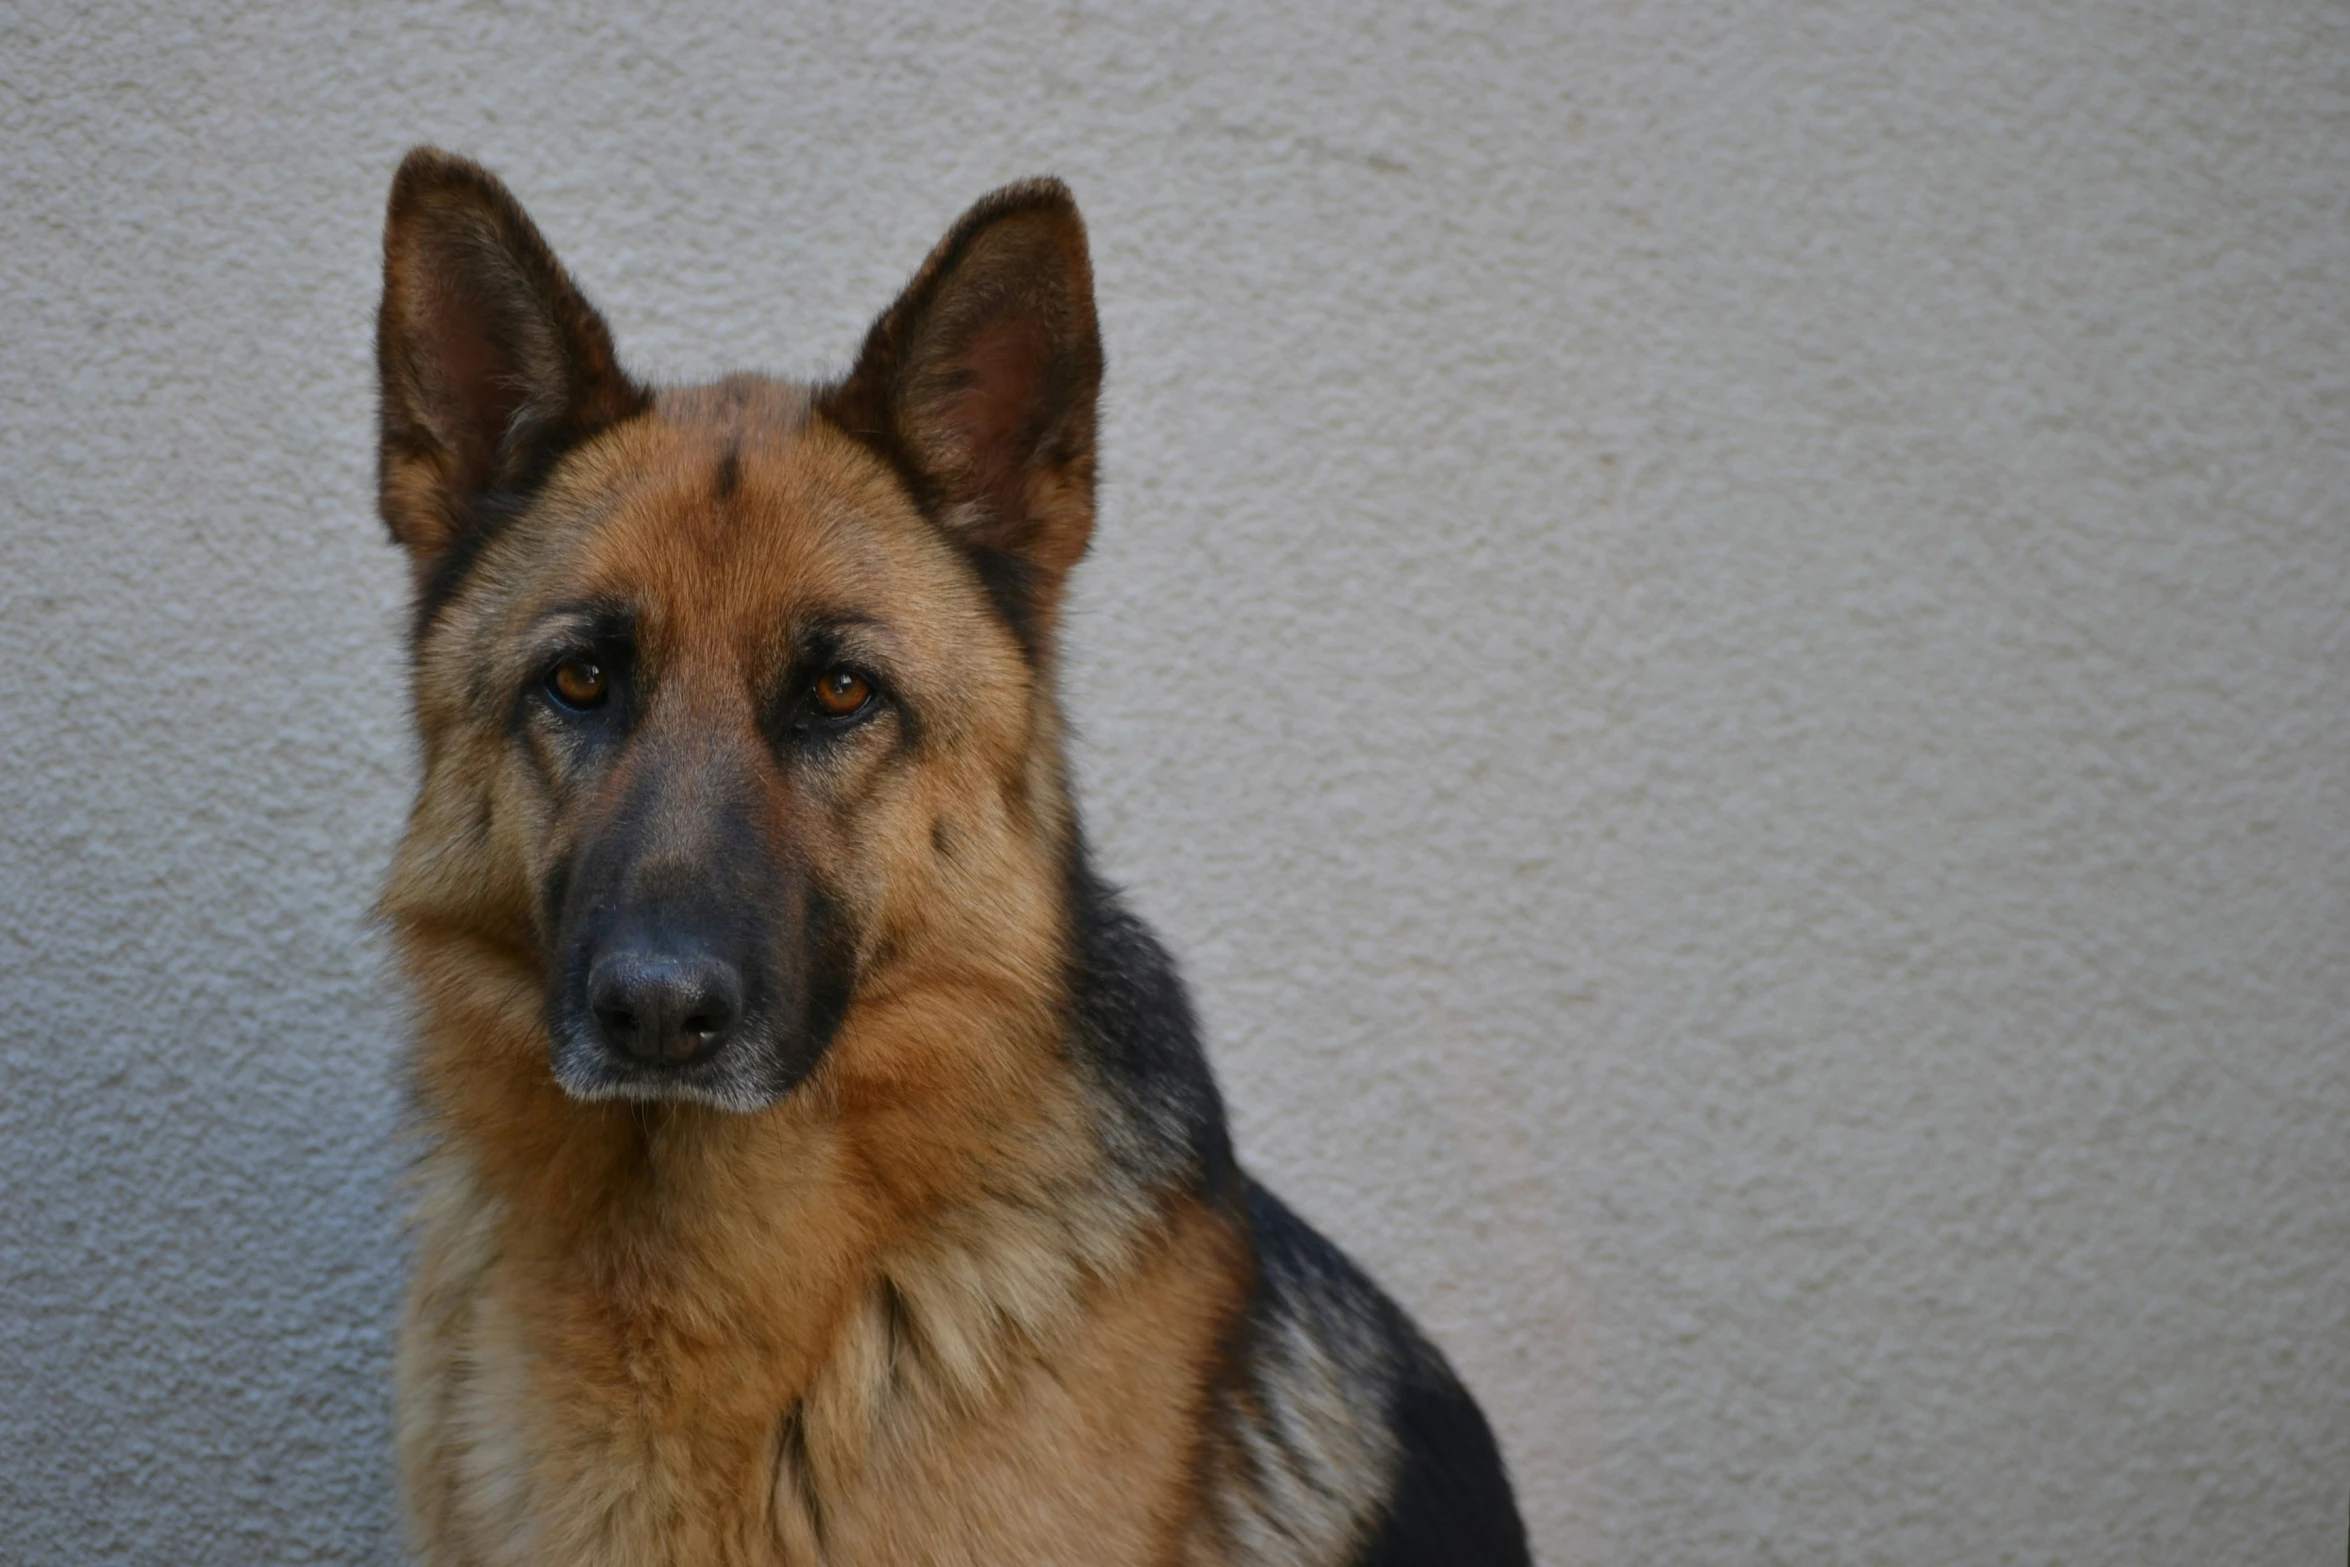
pixel 728 509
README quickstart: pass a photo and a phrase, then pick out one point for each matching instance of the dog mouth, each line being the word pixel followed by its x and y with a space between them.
pixel 740 1071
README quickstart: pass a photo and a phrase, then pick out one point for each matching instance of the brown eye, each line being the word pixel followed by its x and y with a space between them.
pixel 840 692
pixel 579 683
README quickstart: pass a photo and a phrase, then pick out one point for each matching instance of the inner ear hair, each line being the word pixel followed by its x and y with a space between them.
pixel 981 385
pixel 492 362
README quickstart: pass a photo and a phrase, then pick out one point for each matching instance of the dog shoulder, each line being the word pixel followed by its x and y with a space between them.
pixel 1349 1438
pixel 1341 1434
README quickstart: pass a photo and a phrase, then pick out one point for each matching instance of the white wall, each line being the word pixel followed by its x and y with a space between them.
pixel 1721 631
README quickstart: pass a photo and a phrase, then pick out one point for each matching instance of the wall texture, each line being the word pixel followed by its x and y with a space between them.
pixel 1722 633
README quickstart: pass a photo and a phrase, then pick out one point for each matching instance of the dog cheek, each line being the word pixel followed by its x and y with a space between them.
pixel 885 857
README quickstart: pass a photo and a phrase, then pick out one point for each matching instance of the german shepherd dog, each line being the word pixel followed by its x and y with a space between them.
pixel 817 1163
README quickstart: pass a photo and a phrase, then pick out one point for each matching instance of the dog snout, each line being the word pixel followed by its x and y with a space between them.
pixel 664 1007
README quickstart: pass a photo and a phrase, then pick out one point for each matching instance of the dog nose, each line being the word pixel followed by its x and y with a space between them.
pixel 664 1008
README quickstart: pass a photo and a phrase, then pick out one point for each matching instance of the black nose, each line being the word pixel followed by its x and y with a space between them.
pixel 664 1008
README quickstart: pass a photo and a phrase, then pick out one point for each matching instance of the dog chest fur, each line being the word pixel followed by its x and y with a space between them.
pixel 1046 1414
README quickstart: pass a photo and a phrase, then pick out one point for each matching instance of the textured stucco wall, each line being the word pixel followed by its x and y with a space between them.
pixel 1722 633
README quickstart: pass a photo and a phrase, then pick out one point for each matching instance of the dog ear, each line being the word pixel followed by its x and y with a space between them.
pixel 492 362
pixel 980 385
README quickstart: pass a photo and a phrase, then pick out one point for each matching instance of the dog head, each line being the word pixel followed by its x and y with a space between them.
pixel 735 700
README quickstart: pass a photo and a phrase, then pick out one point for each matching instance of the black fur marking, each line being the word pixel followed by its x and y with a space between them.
pixel 1449 1504
pixel 488 517
pixel 730 474
pixel 830 983
pixel 1134 1027
pixel 555 896
pixel 899 1324
pixel 1011 588
pixel 1293 1255
pixel 791 1442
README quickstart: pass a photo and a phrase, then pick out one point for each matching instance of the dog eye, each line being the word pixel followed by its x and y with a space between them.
pixel 840 692
pixel 580 683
